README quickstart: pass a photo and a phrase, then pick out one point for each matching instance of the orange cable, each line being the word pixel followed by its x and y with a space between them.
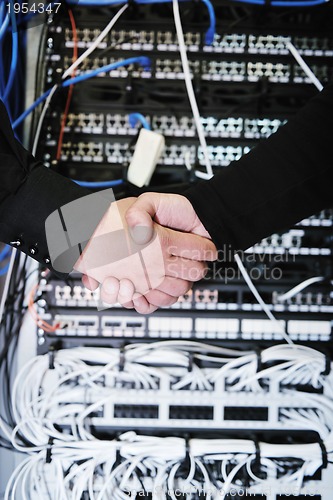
pixel 40 322
pixel 70 90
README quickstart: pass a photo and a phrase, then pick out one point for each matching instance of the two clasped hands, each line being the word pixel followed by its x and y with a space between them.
pixel 146 252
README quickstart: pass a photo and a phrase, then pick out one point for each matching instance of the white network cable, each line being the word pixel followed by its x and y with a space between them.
pixel 145 461
pixel 83 381
pixel 134 463
pixel 260 300
pixel 95 44
pixel 298 288
pixel 307 70
pixel 41 119
pixel 190 92
pixel 71 68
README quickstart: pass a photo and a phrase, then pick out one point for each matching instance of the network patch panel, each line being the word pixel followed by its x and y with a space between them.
pixel 178 152
pixel 324 218
pixel 101 125
pixel 270 44
pixel 162 386
pixel 228 70
pixel 120 152
pixel 227 329
pixel 166 41
pixel 213 310
pixel 143 39
pixel 116 403
pixel 173 126
pixel 315 241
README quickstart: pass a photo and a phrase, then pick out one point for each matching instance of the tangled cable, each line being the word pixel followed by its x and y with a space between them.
pixel 133 464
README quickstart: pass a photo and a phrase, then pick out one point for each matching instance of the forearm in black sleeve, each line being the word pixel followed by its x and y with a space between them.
pixel 285 178
pixel 29 193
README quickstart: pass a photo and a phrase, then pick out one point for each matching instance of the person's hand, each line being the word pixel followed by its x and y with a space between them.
pixel 173 211
pixel 172 260
pixel 170 210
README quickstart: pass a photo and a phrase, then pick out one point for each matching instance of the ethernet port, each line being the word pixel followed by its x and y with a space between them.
pixel 226 297
pixel 135 411
pixel 256 413
pixel 182 412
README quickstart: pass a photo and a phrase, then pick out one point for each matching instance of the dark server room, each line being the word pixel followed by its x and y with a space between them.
pixel 214 381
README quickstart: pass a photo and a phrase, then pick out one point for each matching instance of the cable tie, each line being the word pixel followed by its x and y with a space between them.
pixel 324 454
pixel 257 458
pixel 327 370
pixel 51 357
pixel 48 457
pixel 190 361
pixel 122 359
pixel 258 455
pixel 259 360
pixel 118 458
pixel 187 459
pixel 187 445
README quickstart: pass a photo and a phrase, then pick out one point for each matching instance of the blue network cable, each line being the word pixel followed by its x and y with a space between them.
pixel 104 184
pixel 144 61
pixel 209 33
pixel 13 64
pixel 3 255
pixel 27 112
pixel 4 25
pixel 4 22
pixel 4 270
pixel 133 118
pixel 5 252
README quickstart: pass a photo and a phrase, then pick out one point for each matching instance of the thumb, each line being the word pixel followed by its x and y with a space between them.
pixel 139 218
pixel 190 246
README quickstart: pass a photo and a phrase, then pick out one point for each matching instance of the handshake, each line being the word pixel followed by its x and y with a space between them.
pixel 146 252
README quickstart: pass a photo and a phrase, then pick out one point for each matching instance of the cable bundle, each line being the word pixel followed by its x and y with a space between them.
pixel 70 387
pixel 164 467
pixel 202 364
pixel 71 462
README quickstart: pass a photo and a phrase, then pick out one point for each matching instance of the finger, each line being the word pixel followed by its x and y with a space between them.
pixel 128 305
pixel 139 218
pixel 110 290
pixel 185 269
pixel 89 283
pixel 142 305
pixel 188 246
pixel 126 292
pixel 174 286
pixel 143 210
pixel 160 299
pixel 118 291
pixel 170 210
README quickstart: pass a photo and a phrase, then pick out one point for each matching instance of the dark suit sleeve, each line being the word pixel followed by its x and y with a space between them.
pixel 29 193
pixel 286 178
